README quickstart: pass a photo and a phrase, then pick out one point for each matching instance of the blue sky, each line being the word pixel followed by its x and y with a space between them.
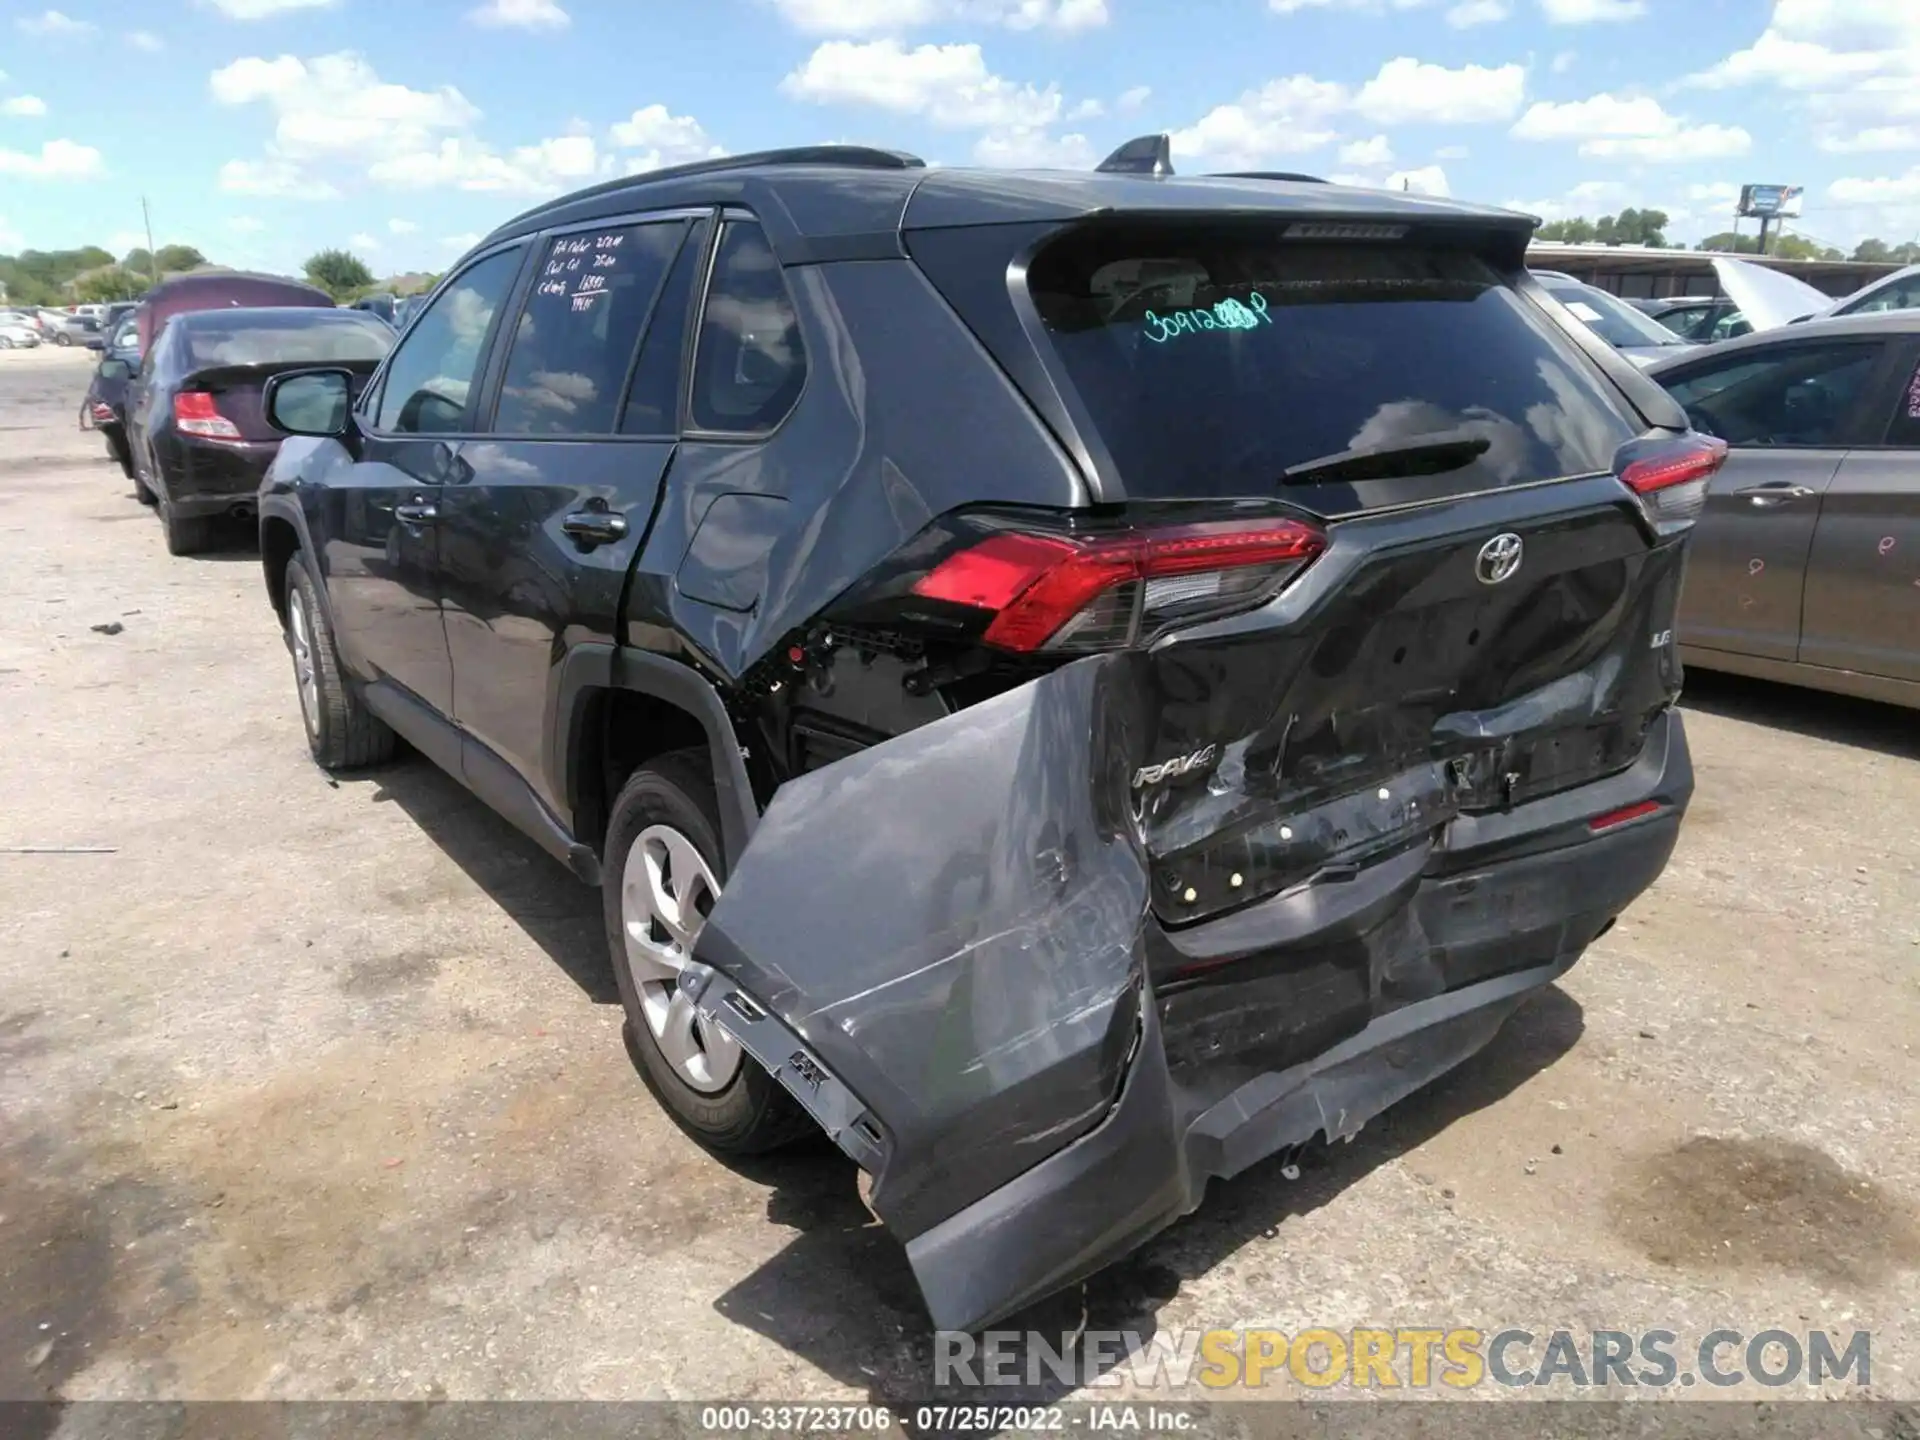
pixel 261 130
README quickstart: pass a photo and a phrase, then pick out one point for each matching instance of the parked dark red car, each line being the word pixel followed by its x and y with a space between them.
pixel 217 289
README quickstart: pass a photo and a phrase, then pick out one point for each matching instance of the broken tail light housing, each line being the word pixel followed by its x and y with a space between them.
pixel 1055 593
pixel 194 413
pixel 1671 475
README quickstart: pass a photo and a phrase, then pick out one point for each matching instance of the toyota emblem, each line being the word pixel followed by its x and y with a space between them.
pixel 1499 558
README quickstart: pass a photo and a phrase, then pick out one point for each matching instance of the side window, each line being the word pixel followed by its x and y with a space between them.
pixel 430 375
pixel 653 400
pixel 1798 396
pixel 1902 295
pixel 748 366
pixel 576 337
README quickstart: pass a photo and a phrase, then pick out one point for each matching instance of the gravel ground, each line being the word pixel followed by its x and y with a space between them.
pixel 316 1089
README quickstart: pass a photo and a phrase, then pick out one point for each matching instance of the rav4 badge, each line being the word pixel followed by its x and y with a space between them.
pixel 1167 769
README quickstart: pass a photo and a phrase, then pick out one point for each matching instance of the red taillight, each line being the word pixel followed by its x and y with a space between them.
pixel 1671 476
pixel 1623 815
pixel 101 411
pixel 194 413
pixel 1049 592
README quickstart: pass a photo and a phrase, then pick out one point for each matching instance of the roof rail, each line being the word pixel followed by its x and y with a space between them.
pixel 1142 155
pixel 1268 175
pixel 864 157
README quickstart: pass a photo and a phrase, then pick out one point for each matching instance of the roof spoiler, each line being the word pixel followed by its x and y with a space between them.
pixel 1142 155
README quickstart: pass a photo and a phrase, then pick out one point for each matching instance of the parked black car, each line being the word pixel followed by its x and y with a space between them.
pixel 380 305
pixel 106 400
pixel 999 729
pixel 199 437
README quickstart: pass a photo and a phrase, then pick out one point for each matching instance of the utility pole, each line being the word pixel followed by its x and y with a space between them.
pixel 153 260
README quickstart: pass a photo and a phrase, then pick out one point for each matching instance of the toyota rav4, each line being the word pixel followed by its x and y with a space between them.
pixel 1072 683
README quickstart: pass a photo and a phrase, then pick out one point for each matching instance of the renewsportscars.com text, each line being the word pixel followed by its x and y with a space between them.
pixel 1405 1358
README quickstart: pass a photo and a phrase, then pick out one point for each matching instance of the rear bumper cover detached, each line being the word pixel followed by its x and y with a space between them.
pixel 953 963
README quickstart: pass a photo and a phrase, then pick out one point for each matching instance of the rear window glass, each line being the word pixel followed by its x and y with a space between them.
pixel 345 337
pixel 1214 361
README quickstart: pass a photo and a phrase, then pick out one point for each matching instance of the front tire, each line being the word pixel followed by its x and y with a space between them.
pixel 341 732
pixel 662 873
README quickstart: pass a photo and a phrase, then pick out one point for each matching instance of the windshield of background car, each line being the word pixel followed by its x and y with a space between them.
pixel 1617 322
pixel 297 341
pixel 1213 359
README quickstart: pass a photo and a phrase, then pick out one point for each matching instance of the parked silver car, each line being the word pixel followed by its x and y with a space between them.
pixel 1805 565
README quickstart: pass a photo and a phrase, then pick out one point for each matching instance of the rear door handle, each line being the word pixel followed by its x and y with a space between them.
pixel 1776 492
pixel 595 527
pixel 419 511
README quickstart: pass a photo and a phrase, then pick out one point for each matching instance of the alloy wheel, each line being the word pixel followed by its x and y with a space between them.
pixel 300 632
pixel 666 892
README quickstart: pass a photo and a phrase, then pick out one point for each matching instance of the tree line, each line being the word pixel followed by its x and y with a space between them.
pixel 1649 228
pixel 92 276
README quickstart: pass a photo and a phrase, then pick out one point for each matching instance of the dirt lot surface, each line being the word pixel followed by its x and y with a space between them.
pixel 316 1089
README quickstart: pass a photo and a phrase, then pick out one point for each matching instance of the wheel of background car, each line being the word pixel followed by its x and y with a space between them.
pixel 661 873
pixel 186 534
pixel 341 732
pixel 5 343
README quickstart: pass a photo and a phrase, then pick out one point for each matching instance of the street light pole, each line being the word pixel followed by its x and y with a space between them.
pixel 153 260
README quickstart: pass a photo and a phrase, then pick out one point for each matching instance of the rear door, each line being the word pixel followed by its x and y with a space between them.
pixel 1788 411
pixel 539 530
pixel 1863 580
pixel 382 512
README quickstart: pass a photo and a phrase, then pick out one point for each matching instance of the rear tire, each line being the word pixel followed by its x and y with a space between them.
pixel 666 814
pixel 5 343
pixel 186 534
pixel 341 732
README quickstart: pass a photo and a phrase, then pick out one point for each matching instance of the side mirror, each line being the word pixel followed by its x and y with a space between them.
pixel 96 342
pixel 310 402
pixel 115 370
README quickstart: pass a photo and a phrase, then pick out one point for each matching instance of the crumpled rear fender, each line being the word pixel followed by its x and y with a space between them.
pixel 952 923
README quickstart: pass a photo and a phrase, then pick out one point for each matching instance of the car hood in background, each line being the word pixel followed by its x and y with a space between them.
pixel 1767 298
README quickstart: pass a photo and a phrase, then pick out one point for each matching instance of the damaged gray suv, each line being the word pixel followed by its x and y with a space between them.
pixel 1070 683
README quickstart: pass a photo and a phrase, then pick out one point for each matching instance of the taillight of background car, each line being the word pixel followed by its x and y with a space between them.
pixel 194 413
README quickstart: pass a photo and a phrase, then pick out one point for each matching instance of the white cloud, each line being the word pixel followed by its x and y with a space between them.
pixel 1367 152
pixel 1562 62
pixel 53 25
pixel 1697 142
pixel 893 17
pixel 1408 91
pixel 1087 110
pixel 1588 12
pixel 56 160
pixel 464 163
pixel 1629 127
pixel 402 227
pixel 521 15
pixel 1879 190
pixel 10 238
pixel 281 178
pixel 1133 99
pixel 263 9
pixel 666 139
pixel 145 40
pixel 1469 13
pixel 26 105
pixel 1452 152
pixel 1294 7
pixel 947 84
pixel 1282 117
pixel 461 242
pixel 1035 150
pixel 246 225
pixel 363 241
pixel 337 105
pixel 1872 140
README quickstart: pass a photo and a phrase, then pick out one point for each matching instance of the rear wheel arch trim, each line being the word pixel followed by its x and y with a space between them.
pixel 270 514
pixel 598 667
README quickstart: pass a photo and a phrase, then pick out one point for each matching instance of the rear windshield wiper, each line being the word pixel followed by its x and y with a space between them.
pixel 1432 455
